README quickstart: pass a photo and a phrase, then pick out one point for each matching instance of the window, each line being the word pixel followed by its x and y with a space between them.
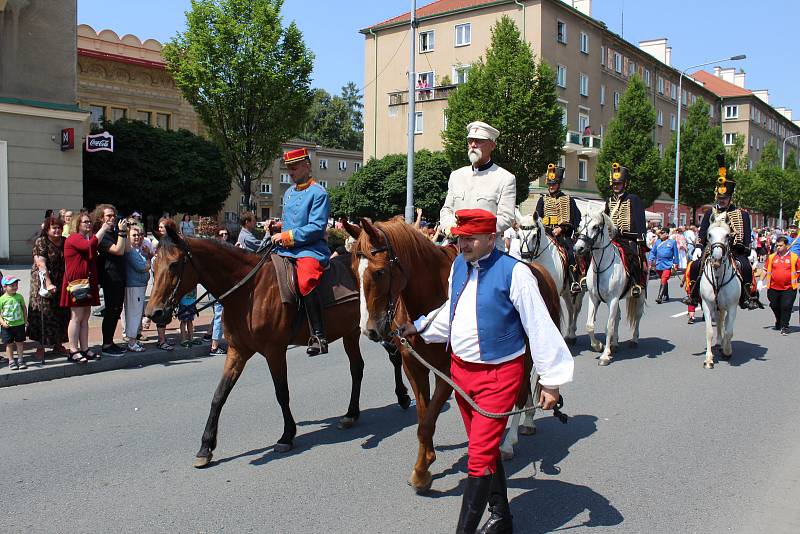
pixel 647 77
pixel 426 41
pixel 323 164
pixel 118 113
pixel 582 170
pixel 750 165
pixel 444 119
pixel 711 111
pixel 561 76
pixel 424 83
pixel 323 183
pixel 342 165
pixel 758 143
pixel 660 85
pixel 602 95
pixel 603 56
pixel 356 166
pixel 98 114
pixel 731 112
pixel 266 187
pixel 418 122
pixel 683 219
pixel 672 122
pixel 694 99
pixel 618 62
pixel 144 116
pixel 584 84
pixel 463 34
pixel 752 141
pixel 561 29
pixel 584 43
pixel 583 122
pixel 563 113
pixel 684 96
pixel 631 68
pixel 673 91
pixel 340 184
pixel 285 178
pixel 162 120
pixel 460 74
pixel 660 118
pixel 661 149
pixel 616 100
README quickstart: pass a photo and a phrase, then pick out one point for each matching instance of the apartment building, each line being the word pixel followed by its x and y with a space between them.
pixel 592 64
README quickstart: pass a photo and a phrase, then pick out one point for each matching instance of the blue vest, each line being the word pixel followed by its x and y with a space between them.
pixel 500 330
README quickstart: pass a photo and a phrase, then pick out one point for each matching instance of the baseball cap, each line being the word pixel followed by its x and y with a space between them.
pixel 9 279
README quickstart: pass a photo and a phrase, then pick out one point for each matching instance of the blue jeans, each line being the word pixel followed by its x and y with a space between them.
pixel 216 332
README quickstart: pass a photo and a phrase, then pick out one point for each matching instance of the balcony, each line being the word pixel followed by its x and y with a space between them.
pixel 440 92
pixel 584 145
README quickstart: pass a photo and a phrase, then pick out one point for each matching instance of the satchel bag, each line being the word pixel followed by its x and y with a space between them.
pixel 80 290
pixel 43 292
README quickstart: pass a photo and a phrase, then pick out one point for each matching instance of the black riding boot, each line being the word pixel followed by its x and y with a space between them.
pixel 476 495
pixel 660 297
pixel 500 517
pixel 666 293
pixel 317 344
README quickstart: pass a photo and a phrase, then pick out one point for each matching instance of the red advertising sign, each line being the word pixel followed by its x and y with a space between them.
pixel 68 139
pixel 99 142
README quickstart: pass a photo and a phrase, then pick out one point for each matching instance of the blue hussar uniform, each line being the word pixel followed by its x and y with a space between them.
pixel 305 218
pixel 664 255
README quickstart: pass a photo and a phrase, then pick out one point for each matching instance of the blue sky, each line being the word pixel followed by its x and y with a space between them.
pixel 698 31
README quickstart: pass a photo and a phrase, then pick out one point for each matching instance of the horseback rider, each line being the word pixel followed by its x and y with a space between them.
pixel 305 217
pixel 560 216
pixel 741 237
pixel 627 213
pixel 483 184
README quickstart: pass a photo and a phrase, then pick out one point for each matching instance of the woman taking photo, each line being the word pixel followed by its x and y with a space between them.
pixel 136 277
pixel 80 253
pixel 47 320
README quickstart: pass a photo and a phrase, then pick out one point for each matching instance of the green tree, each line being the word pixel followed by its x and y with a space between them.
pixel 353 98
pixel 517 95
pixel 378 189
pixel 700 144
pixel 153 170
pixel 767 187
pixel 247 77
pixel 335 121
pixel 629 142
pixel 736 158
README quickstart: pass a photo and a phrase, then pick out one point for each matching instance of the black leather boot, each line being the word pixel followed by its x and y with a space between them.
pixel 476 495
pixel 666 293
pixel 317 344
pixel 660 296
pixel 500 518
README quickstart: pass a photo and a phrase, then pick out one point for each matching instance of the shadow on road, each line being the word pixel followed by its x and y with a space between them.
pixel 744 352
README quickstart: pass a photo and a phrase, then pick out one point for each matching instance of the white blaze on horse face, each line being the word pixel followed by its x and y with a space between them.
pixel 363 263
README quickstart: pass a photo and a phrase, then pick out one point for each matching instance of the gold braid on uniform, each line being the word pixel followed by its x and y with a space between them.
pixel 737 226
pixel 621 214
pixel 556 210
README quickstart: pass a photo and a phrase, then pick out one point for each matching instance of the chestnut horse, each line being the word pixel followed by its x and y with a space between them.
pixel 402 276
pixel 255 320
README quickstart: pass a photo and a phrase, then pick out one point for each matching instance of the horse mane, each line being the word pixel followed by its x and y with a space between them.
pixel 549 292
pixel 612 228
pixel 408 244
pixel 242 255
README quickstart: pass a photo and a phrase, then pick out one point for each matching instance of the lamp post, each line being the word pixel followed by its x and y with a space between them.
pixel 412 116
pixel 783 168
pixel 678 138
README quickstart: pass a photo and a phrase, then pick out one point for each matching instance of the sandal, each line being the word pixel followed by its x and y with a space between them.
pixel 76 357
pixel 186 344
pixel 165 346
pixel 91 355
pixel 13 365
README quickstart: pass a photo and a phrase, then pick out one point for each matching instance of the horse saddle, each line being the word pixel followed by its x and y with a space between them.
pixel 337 286
pixel 633 259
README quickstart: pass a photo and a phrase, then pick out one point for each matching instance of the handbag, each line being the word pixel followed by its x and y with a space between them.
pixel 80 290
pixel 43 292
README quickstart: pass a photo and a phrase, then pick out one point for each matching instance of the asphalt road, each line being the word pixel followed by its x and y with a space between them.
pixel 655 444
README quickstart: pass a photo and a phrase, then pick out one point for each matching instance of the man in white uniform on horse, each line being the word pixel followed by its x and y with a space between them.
pixel 481 185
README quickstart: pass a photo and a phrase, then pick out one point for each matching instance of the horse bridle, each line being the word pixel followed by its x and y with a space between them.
pixel 712 279
pixel 391 305
pixel 598 265
pixel 525 252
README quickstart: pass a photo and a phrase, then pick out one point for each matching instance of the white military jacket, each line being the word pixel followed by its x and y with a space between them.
pixel 488 187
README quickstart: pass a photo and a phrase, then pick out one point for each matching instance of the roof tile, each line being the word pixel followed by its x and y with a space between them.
pixel 719 86
pixel 435 8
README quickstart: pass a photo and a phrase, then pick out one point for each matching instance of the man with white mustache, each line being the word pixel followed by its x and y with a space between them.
pixel 481 185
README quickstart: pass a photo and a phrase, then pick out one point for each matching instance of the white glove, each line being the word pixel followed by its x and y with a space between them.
pixel 696 253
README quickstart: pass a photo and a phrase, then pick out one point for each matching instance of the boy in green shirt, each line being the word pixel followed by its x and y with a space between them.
pixel 13 320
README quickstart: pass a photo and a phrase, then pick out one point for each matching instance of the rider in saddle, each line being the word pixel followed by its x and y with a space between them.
pixel 627 214
pixel 560 216
pixel 305 217
pixel 740 238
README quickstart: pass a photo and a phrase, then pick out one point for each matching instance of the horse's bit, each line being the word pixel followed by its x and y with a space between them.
pixel 525 252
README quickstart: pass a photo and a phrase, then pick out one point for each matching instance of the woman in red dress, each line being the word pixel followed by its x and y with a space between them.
pixel 80 251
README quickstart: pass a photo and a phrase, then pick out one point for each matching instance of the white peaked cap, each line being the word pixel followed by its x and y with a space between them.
pixel 481 130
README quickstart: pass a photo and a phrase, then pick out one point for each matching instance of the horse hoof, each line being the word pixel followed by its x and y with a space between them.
pixel 283 447
pixel 598 347
pixel 602 362
pixel 346 422
pixel 527 430
pixel 421 484
pixel 708 365
pixel 506 455
pixel 404 402
pixel 201 461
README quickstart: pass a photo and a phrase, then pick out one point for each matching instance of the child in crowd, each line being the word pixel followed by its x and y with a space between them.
pixel 186 314
pixel 13 320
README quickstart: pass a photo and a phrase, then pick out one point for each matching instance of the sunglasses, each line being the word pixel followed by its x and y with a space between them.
pixel 223 234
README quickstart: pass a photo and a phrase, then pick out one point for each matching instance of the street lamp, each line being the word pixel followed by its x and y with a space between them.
pixel 678 139
pixel 783 168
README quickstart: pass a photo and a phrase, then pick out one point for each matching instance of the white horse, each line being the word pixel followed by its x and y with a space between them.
pixel 607 282
pixel 537 245
pixel 719 289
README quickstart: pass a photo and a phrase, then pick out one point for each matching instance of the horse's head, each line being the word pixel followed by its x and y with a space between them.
pixel 173 276
pixel 381 278
pixel 531 232
pixel 593 231
pixel 718 240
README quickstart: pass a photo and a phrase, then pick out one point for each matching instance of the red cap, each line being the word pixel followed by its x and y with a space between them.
pixel 295 155
pixel 474 222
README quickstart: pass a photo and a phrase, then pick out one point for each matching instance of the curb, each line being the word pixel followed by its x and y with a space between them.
pixel 61 369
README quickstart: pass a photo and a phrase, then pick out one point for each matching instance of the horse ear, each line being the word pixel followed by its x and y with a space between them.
pixel 351 229
pixel 535 216
pixel 176 239
pixel 367 226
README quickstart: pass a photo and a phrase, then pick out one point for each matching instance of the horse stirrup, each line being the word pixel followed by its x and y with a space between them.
pixel 636 290
pixel 575 288
pixel 583 285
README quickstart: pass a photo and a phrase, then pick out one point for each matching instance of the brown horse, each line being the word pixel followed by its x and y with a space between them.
pixel 255 320
pixel 402 276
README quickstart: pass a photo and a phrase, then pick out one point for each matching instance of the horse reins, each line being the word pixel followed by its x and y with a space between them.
pixel 598 269
pixel 717 287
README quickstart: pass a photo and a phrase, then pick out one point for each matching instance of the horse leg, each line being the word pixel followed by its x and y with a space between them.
pixel 591 318
pixel 708 363
pixel 399 387
pixel 730 318
pixel 234 364
pixel 611 334
pixel 353 351
pixel 277 368
pixel 615 332
pixel 639 303
pixel 418 377
pixel 427 428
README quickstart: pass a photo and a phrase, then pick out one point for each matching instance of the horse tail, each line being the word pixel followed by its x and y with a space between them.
pixel 632 309
pixel 549 292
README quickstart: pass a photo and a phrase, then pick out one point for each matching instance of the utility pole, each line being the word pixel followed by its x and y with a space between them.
pixel 412 116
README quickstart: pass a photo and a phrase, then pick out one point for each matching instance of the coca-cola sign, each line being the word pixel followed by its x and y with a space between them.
pixel 99 142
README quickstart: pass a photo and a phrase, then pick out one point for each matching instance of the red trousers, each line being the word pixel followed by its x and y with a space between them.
pixel 494 388
pixel 309 273
pixel 665 274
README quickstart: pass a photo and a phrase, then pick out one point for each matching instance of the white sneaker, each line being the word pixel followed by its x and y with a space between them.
pixel 136 348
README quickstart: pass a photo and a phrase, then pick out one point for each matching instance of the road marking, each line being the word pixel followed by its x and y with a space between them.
pixel 681 314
